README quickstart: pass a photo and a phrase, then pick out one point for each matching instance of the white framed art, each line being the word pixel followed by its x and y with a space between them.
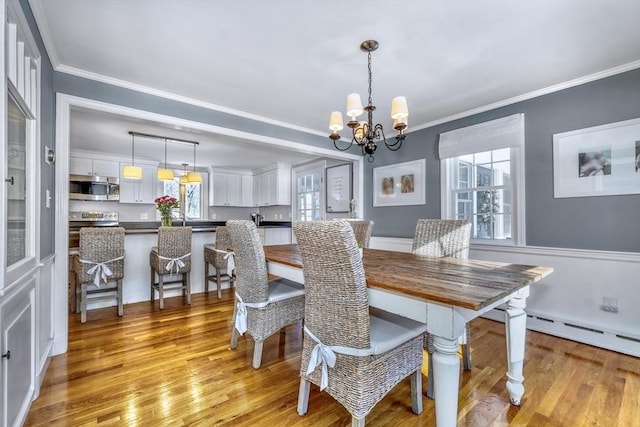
pixel 399 184
pixel 597 161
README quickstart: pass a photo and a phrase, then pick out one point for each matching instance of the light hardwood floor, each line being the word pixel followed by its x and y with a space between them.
pixel 175 367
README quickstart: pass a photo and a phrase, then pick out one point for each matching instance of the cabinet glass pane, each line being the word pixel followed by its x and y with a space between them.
pixel 16 187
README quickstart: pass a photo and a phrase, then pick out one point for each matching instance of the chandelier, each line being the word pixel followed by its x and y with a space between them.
pixel 365 133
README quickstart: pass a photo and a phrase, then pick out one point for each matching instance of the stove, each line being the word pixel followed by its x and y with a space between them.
pixel 77 220
pixel 93 219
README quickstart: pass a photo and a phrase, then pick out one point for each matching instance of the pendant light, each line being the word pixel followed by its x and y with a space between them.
pixel 194 177
pixel 184 178
pixel 132 171
pixel 165 174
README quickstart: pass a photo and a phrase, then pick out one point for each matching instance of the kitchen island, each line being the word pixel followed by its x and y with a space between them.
pixel 141 236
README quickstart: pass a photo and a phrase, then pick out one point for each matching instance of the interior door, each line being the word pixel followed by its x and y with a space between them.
pixel 309 192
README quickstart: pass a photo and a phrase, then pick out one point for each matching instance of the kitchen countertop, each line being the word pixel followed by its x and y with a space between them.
pixel 139 227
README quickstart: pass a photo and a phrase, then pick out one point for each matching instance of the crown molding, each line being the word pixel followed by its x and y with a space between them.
pixel 536 93
pixel 45 32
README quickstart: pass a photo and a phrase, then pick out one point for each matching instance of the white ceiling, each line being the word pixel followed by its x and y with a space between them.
pixel 107 133
pixel 296 61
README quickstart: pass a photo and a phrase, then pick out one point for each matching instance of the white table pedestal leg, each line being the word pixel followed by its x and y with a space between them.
pixel 446 376
pixel 516 324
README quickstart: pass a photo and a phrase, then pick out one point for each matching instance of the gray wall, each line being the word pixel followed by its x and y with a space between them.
pixel 91 89
pixel 47 129
pixel 598 223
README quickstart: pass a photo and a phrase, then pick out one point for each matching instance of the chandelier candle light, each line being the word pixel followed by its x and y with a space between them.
pixel 365 133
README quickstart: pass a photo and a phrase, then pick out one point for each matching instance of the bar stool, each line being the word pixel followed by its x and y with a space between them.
pixel 100 259
pixel 221 258
pixel 171 257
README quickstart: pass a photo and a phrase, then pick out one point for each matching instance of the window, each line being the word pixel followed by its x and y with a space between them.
pixel 308 192
pixel 483 179
pixel 193 205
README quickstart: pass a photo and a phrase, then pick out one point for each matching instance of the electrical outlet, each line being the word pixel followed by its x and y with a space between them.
pixel 213 215
pixel 609 304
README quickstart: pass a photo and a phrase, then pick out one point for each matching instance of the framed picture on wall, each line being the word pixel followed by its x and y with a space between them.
pixel 597 161
pixel 399 184
pixel 339 188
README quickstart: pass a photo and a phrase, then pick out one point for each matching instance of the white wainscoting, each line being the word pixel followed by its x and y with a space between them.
pixel 567 302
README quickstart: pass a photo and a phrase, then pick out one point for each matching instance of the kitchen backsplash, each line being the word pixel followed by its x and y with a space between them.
pixel 136 212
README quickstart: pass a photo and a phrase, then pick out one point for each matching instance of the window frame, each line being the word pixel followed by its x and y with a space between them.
pixel 204 195
pixel 448 181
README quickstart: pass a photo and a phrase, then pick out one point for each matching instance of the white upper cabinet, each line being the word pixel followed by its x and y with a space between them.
pixel 142 191
pixel 231 188
pixel 97 167
pixel 274 186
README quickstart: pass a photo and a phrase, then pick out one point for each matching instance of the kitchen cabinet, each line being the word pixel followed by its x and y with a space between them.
pixel 142 191
pixel 277 236
pixel 274 187
pixel 97 167
pixel 17 346
pixel 231 188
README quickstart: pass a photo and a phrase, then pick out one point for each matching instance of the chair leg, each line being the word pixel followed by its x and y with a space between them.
pixel 206 276
pixel 218 282
pixel 161 291
pixel 303 396
pixel 120 305
pixel 234 338
pixel 187 286
pixel 257 354
pixel 430 351
pixel 234 331
pixel 357 422
pixel 153 279
pixel 466 350
pixel 416 392
pixel 83 303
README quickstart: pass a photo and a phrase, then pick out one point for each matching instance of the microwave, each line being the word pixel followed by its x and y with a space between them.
pixel 93 187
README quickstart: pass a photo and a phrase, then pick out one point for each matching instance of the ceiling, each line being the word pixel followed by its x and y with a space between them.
pixel 107 133
pixel 293 62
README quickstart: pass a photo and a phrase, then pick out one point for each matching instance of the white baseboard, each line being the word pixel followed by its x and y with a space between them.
pixel 567 303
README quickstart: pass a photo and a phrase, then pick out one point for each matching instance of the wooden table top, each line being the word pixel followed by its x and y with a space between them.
pixel 470 284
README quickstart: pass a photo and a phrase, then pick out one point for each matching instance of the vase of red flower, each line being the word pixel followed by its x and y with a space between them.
pixel 165 204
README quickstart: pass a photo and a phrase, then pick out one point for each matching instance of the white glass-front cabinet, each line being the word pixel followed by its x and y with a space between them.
pixel 20 214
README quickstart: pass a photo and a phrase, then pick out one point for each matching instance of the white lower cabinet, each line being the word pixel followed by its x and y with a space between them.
pixel 17 347
pixel 275 235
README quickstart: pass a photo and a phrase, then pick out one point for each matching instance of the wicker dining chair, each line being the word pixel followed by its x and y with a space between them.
pixel 216 255
pixel 443 238
pixel 172 259
pixel 374 350
pixel 269 305
pixel 100 260
pixel 362 229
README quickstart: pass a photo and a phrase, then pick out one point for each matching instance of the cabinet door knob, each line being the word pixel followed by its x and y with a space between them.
pixel 7 355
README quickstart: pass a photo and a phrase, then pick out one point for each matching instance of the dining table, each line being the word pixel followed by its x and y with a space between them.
pixel 445 293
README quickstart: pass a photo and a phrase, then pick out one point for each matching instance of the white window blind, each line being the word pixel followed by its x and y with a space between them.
pixel 507 132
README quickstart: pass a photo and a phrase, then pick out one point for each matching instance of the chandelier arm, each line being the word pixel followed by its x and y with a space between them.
pixel 396 145
pixel 335 144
